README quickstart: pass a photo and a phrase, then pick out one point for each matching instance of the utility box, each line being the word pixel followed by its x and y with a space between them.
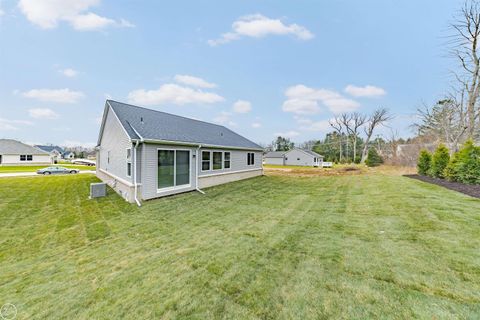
pixel 98 190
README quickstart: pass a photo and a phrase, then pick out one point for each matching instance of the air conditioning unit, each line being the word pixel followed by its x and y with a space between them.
pixel 98 190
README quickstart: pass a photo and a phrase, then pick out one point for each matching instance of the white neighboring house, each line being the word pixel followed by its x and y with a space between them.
pixel 13 152
pixel 56 152
pixel 294 157
pixel 69 155
pixel 275 158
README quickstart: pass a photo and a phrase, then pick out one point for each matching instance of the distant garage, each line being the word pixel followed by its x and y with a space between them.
pixel 294 157
pixel 275 157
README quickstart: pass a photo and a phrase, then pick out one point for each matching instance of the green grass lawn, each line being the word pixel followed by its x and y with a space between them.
pixel 276 247
pixel 9 169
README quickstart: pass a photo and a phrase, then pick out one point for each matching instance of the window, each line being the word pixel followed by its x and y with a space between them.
pixel 298 159
pixel 29 157
pixel 23 157
pixel 217 160
pixel 250 158
pixel 205 160
pixel 226 160
pixel 108 156
pixel 129 162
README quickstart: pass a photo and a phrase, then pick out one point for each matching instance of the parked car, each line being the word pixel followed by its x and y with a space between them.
pixel 57 170
pixel 85 162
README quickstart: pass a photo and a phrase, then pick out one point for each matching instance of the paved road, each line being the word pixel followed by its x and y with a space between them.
pixel 29 174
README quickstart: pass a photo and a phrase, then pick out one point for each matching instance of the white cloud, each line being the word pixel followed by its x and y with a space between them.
pixel 242 106
pixel 11 125
pixel 367 91
pixel 48 13
pixel 304 100
pixel 70 73
pixel 43 113
pixel 90 21
pixel 193 81
pixel 55 95
pixel 300 106
pixel 173 93
pixel 318 126
pixel 256 125
pixel 288 134
pixel 258 26
pixel 224 118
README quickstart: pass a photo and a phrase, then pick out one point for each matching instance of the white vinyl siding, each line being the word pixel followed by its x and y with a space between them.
pixel 238 161
pixel 113 144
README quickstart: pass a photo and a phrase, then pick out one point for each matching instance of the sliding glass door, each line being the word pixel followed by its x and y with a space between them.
pixel 173 168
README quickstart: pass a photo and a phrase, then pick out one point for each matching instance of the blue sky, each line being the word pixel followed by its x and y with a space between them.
pixel 259 67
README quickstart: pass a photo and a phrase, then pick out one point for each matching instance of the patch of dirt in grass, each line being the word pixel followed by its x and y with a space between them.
pixel 468 189
pixel 309 172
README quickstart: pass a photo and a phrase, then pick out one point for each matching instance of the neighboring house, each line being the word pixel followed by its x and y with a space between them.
pixel 146 154
pixel 13 152
pixel 68 155
pixel 275 157
pixel 300 157
pixel 294 157
pixel 56 152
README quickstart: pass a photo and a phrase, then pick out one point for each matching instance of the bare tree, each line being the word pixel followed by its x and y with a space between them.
pixel 379 117
pixel 337 125
pixel 466 49
pixel 352 123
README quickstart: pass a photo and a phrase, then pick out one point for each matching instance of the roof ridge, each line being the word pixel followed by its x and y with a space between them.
pixel 170 114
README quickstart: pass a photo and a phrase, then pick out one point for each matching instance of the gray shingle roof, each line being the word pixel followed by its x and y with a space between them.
pixel 50 148
pixel 10 146
pixel 310 152
pixel 157 125
pixel 275 154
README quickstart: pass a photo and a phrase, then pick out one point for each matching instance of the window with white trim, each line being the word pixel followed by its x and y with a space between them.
pixel 129 162
pixel 26 157
pixel 250 158
pixel 205 160
pixel 217 160
pixel 226 160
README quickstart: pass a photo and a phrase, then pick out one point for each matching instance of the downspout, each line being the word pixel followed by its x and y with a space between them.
pixel 135 174
pixel 196 170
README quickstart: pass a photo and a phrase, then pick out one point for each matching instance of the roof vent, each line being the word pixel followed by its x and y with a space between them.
pixel 141 120
pixel 221 133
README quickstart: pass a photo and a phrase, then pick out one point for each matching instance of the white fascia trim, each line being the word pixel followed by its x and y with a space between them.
pixel 127 183
pixel 119 122
pixel 180 143
pixel 228 172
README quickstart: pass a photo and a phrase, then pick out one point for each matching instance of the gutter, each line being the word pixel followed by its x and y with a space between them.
pixel 135 174
pixel 135 184
pixel 196 170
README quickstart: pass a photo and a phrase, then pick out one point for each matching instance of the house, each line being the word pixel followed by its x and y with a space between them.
pixel 68 155
pixel 144 154
pixel 275 158
pixel 294 157
pixel 56 152
pixel 13 152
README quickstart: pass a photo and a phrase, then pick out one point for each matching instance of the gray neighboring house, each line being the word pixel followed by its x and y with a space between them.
pixel 275 157
pixel 294 157
pixel 56 152
pixel 144 154
pixel 13 152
